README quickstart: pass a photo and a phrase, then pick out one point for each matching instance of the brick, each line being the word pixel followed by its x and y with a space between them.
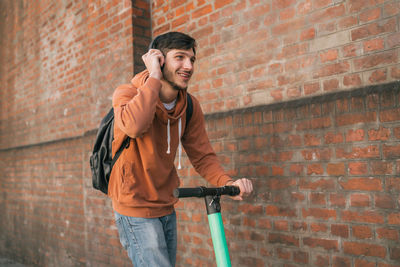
pixel 287 27
pixel 281 225
pixel 381 168
pixel 366 217
pixel 395 253
pixel 373 29
pixel 393 40
pixel 311 88
pixel 348 119
pixel 311 140
pixel 364 184
pixel 315 169
pixel 281 4
pixel 299 226
pixel 328 13
pixel 358 152
pixel 317 199
pixel 332 69
pixel 364 249
pixel 321 260
pixel 272 210
pixel 385 202
pixel 329 55
pixel 358 168
pixel 318 227
pixel 201 11
pixel 378 76
pixel 222 3
pixel 341 230
pixel 390 115
pixel 330 85
pixel 347 22
pixel 360 200
pixel 393 184
pixel 352 80
pixel 361 232
pixel 250 209
pixel 373 45
pixel 301 257
pixel 283 239
pixel 391 151
pixel 379 134
pixel 363 263
pixel 307 34
pixel 316 184
pixel 388 233
pixel 325 214
pixel 394 218
pixel 336 169
pixel 355 135
pixel 281 183
pixel 283 253
pixel 333 138
pixel 370 15
pixel 329 41
pixel 395 73
pixel 337 200
pixel 326 244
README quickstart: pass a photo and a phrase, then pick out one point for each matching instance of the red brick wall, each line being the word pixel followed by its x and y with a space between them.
pixel 327 185
pixel 60 62
pixel 325 168
pixel 256 52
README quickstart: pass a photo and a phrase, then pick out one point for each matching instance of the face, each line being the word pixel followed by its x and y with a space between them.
pixel 179 67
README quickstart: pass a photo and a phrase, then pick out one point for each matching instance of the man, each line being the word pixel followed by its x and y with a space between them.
pixel 152 111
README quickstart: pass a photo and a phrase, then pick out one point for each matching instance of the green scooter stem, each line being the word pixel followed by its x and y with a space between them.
pixel 219 240
pixel 217 231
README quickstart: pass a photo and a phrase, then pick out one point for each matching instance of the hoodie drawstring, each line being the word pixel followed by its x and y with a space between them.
pixel 169 138
pixel 180 143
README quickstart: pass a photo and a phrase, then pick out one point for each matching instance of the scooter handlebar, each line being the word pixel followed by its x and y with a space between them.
pixel 202 191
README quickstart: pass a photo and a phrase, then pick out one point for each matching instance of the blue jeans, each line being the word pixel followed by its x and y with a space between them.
pixel 149 242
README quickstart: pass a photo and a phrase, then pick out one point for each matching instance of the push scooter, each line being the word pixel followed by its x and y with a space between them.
pixel 212 198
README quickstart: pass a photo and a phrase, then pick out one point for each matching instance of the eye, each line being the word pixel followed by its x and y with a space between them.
pixel 179 57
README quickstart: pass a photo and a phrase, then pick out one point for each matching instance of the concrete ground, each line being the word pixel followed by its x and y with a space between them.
pixel 10 263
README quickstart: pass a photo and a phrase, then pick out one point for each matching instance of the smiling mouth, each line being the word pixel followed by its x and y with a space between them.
pixel 184 75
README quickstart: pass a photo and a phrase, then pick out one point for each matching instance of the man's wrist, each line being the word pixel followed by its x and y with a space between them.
pixel 155 75
pixel 230 182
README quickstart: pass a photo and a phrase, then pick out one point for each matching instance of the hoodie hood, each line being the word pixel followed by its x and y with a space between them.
pixel 170 117
pixel 161 113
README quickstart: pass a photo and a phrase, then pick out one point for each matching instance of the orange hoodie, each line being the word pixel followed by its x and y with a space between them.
pixel 144 177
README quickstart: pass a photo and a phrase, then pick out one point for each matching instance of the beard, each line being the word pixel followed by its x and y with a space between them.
pixel 168 77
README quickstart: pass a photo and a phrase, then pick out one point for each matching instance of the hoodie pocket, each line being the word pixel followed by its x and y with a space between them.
pixel 128 180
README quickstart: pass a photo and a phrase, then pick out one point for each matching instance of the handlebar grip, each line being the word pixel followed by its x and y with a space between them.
pixel 188 192
pixel 203 191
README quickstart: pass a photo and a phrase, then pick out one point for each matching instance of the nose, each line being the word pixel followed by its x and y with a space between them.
pixel 188 64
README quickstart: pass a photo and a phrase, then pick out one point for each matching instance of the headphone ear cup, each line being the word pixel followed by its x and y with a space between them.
pixel 153 43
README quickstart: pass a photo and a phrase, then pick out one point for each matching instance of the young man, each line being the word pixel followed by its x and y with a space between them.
pixel 152 112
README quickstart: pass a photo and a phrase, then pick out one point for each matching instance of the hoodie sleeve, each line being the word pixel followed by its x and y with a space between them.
pixel 134 108
pixel 199 150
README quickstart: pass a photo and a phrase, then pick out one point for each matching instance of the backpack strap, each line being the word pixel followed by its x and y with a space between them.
pixel 124 145
pixel 189 109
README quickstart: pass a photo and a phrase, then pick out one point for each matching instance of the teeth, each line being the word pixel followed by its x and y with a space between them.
pixel 184 74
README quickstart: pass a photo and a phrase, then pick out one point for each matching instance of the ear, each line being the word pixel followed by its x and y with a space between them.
pixel 163 64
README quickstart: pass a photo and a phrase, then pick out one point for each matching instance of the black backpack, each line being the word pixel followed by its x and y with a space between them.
pixel 101 160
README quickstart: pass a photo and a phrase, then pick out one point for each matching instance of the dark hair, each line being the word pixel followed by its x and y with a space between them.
pixel 173 40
